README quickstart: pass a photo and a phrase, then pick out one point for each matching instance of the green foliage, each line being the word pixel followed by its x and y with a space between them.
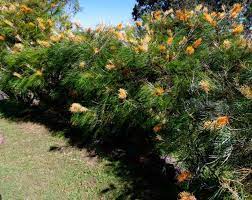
pixel 185 80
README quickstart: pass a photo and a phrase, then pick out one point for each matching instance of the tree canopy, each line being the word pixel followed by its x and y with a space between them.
pixel 146 6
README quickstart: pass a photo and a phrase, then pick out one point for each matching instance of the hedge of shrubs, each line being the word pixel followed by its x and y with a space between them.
pixel 183 77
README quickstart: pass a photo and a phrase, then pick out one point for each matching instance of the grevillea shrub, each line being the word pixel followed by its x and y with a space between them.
pixel 183 77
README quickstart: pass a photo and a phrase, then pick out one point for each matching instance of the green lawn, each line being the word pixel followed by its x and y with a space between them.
pixel 29 170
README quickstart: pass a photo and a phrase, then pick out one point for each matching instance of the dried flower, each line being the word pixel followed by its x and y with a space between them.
pixel 82 64
pixel 43 43
pixel 96 50
pixel 246 91
pixel 190 50
pixel 227 44
pixel 169 32
pixel 41 23
pixel 12 8
pixel 198 7
pixel 77 108
pixel 183 176
pixel 122 94
pixel 183 41
pixel 208 125
pixel 157 128
pixel 110 65
pixel 8 23
pixel 159 138
pixel 242 42
pixel 18 47
pixel 197 43
pixel 186 196
pixel 237 29
pixel 221 15
pixel 55 38
pixel 2 38
pixel 17 74
pixel 204 85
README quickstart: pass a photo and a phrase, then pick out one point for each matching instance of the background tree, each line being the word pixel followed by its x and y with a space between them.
pixel 146 6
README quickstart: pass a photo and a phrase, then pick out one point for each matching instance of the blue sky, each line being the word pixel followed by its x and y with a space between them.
pixel 108 11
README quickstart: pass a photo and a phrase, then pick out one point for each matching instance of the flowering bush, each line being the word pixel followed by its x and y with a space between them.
pixel 184 77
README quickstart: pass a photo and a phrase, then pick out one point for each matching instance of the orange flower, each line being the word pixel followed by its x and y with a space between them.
pixel 186 196
pixel 183 15
pixel 119 26
pixel 120 36
pixel 169 41
pixel 50 22
pixel 157 15
pixel 122 94
pixel 237 8
pixel 222 121
pixel 139 24
pixel 25 9
pixel 190 50
pixel 142 47
pixel 209 19
pixel 159 91
pixel 183 176
pixel 197 43
pixel 238 29
pixel 162 48
pixel 213 14
pixel 157 128
pixel 2 38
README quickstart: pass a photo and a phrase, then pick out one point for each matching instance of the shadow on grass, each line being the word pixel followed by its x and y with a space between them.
pixel 144 174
